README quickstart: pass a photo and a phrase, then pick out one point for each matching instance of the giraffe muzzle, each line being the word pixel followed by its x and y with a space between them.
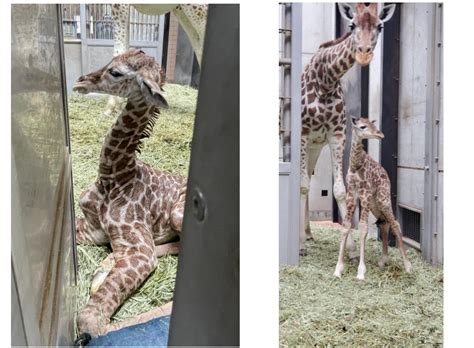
pixel 81 86
pixel 365 58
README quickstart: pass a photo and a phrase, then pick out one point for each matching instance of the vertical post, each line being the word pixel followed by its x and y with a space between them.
pixel 286 112
pixel 84 53
pixel 295 180
pixel 390 98
pixel 431 233
pixel 161 32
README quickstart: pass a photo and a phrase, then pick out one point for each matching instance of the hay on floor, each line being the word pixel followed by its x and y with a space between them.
pixel 168 149
pixel 389 309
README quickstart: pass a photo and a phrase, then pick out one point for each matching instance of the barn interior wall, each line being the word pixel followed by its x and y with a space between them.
pixel 412 104
pixel 420 122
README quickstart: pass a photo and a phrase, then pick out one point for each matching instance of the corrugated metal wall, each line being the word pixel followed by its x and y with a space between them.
pixel 420 165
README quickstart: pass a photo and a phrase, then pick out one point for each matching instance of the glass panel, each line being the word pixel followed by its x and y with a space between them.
pixel 39 171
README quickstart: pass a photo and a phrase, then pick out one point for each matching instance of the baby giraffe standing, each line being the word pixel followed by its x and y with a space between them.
pixel 368 181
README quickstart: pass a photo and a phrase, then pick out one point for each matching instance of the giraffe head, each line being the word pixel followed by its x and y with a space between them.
pixel 365 129
pixel 365 25
pixel 131 74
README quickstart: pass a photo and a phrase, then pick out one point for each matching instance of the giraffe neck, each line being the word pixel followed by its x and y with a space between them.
pixel 334 61
pixel 357 152
pixel 118 156
pixel 121 15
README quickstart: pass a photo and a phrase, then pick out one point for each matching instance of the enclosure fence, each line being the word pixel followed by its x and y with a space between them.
pixel 99 23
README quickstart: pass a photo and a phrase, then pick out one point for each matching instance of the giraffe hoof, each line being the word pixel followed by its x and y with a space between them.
pixel 354 260
pixel 303 252
pixel 360 277
pixel 383 262
pixel 338 271
pixel 310 237
pixel 99 278
pixel 82 340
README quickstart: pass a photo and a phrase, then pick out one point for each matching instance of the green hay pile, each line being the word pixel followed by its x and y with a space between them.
pixel 168 149
pixel 389 309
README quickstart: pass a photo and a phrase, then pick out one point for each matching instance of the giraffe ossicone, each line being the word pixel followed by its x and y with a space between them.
pixel 368 181
pixel 132 206
pixel 323 120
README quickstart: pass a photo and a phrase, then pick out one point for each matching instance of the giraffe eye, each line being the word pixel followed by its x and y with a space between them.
pixel 115 73
pixel 380 27
pixel 363 127
pixel 352 26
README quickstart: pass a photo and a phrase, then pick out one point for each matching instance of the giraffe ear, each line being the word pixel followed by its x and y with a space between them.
pixel 387 12
pixel 152 92
pixel 346 11
pixel 354 120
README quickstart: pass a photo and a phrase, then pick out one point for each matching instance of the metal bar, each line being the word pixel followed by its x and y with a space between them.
pixel 161 31
pixel 410 167
pixel 432 233
pixel 68 144
pixel 296 47
pixel 110 43
pixel 284 61
pixel 364 98
pixel 286 116
pixel 337 33
pixel 84 39
pixel 412 243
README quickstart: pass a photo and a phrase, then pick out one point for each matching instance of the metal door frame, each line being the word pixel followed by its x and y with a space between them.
pixel 290 209
pixel 206 299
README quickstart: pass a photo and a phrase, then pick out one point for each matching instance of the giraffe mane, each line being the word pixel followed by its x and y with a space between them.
pixel 336 41
pixel 148 128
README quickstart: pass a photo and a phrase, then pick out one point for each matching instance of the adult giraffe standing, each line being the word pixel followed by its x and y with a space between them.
pixel 323 108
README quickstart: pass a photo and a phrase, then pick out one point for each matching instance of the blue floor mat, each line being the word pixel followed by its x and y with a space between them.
pixel 152 333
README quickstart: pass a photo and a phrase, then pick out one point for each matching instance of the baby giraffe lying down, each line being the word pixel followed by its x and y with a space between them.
pixel 368 181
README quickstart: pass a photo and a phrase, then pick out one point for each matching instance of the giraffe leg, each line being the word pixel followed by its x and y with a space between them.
pixel 384 229
pixel 132 266
pixel 351 204
pixel 314 151
pixel 363 230
pixel 88 229
pixel 336 145
pixel 177 213
pixel 304 188
pixel 387 211
pixel 109 262
pixel 307 230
